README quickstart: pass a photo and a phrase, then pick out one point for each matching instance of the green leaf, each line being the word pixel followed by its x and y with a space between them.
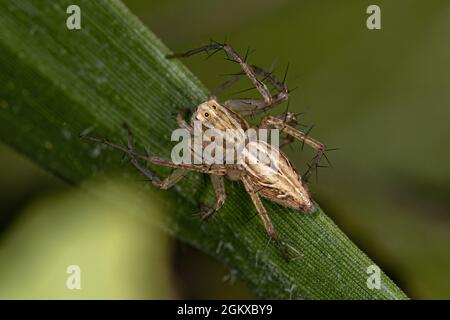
pixel 56 83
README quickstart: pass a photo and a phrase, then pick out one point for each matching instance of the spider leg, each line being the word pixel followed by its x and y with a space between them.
pixel 280 243
pixel 182 123
pixel 235 78
pixel 277 123
pixel 168 182
pixel 234 56
pixel 289 118
pixel 219 190
pixel 248 106
pixel 260 208
pixel 214 169
pixel 207 48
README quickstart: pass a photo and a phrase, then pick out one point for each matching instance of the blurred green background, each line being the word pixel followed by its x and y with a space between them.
pixel 381 96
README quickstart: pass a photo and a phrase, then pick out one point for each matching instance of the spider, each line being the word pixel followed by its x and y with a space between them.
pixel 283 186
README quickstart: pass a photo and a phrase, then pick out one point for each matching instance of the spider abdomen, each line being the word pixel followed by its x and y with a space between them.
pixel 274 177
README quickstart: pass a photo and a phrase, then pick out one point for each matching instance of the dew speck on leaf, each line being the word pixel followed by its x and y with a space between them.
pixel 230 277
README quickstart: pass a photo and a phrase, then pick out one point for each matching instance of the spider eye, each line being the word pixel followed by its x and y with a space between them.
pixel 214 107
pixel 206 114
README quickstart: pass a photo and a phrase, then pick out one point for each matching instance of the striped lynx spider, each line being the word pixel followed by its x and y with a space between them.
pixel 283 186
